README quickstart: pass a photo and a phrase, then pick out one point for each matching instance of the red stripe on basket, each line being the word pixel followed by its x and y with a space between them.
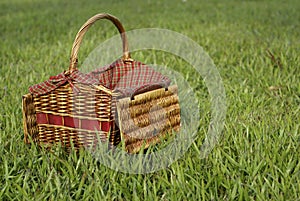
pixel 87 124
pixel 71 122
pixel 55 120
pixel 41 118
pixel 105 126
pixel 90 124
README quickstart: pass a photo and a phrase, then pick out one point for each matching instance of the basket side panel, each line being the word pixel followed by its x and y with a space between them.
pixel 29 119
pixel 148 118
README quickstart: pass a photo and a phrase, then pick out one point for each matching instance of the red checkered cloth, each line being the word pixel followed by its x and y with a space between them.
pixel 60 79
pixel 130 78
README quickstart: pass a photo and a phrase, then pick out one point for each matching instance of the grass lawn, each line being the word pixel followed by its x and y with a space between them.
pixel 255 46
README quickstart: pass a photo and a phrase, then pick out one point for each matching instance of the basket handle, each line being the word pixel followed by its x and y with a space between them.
pixel 83 30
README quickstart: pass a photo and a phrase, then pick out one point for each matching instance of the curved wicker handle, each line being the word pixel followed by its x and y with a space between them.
pixel 83 30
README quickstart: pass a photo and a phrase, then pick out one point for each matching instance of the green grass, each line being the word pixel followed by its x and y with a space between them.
pixel 258 157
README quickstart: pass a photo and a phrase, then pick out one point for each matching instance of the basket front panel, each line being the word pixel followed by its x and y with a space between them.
pixel 81 118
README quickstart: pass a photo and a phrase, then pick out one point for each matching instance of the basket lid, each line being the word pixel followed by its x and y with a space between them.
pixel 58 80
pixel 130 78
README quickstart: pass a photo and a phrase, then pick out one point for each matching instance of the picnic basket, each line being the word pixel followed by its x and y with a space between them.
pixel 78 109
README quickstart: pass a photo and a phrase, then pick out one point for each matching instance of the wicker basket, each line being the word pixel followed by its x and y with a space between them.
pixel 77 109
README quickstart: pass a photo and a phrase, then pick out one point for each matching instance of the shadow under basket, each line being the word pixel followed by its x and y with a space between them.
pixel 96 113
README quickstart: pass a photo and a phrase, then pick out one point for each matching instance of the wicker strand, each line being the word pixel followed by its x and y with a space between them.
pixel 83 30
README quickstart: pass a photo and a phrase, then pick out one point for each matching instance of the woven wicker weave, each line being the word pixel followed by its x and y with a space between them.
pixel 148 118
pixel 83 116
